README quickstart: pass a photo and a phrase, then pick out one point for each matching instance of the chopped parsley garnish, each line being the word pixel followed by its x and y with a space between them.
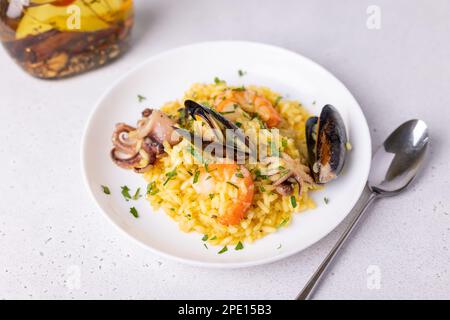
pixel 262 189
pixel 326 200
pixel 126 192
pixel 277 100
pixel 213 238
pixel 170 175
pixel 194 153
pixel 211 196
pixel 293 202
pixel 208 177
pixel 106 190
pixel 284 142
pixel 151 189
pixel 205 237
pixel 196 175
pixel 239 246
pixel 224 249
pixel 242 88
pixel 283 223
pixel 137 194
pixel 206 167
pixel 238 124
pixel 241 73
pixel 218 81
pixel 232 184
pixel 141 98
pixel 134 212
pixel 226 112
pixel 239 175
pixel 259 175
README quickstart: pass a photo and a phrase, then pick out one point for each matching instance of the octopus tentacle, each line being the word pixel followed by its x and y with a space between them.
pixel 122 141
pixel 125 162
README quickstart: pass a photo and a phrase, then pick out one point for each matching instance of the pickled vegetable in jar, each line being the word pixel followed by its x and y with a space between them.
pixel 54 39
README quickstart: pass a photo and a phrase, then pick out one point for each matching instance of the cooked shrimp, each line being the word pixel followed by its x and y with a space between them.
pixel 249 101
pixel 238 176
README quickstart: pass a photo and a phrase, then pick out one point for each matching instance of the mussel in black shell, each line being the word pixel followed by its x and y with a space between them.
pixel 326 140
pixel 219 125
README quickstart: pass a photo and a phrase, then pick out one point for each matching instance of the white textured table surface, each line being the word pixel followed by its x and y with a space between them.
pixel 51 232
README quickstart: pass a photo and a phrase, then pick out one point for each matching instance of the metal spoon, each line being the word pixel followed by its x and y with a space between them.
pixel 394 166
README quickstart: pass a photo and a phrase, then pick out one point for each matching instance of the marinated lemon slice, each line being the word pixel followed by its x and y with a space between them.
pixel 79 15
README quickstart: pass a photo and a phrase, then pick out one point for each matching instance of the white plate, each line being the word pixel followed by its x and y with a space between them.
pixel 164 78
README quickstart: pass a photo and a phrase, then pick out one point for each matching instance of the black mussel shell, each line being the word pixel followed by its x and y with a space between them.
pixel 214 118
pixel 326 141
pixel 311 139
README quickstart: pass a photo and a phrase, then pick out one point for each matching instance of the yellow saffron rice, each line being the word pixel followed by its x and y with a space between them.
pixel 170 180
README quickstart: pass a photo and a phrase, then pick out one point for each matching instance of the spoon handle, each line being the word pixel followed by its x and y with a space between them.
pixel 307 291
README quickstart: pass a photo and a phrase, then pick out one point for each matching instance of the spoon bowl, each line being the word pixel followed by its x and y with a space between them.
pixel 397 161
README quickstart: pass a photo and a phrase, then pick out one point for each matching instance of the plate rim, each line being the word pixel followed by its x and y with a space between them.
pixel 193 262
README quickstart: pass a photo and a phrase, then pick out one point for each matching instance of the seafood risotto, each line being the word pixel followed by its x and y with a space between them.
pixel 232 187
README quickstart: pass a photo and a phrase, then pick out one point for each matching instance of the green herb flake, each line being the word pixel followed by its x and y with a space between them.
pixel 170 175
pixel 134 212
pixel 141 98
pixel 242 88
pixel 137 194
pixel 232 184
pixel 152 189
pixel 262 189
pixel 293 202
pixel 238 124
pixel 205 237
pixel 240 175
pixel 284 143
pixel 194 153
pixel 211 196
pixel 241 73
pixel 277 100
pixel 208 177
pixel 283 222
pixel 126 192
pixel 326 200
pixel 224 249
pixel 226 112
pixel 213 238
pixel 239 246
pixel 258 175
pixel 218 81
pixel 106 190
pixel 196 175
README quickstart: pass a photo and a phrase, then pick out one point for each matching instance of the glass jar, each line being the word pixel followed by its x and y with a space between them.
pixel 53 39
